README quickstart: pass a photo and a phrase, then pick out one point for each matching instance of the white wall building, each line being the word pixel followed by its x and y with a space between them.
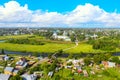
pixel 61 37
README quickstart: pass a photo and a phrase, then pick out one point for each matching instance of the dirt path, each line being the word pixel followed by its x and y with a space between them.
pixel 76 44
pixel 70 48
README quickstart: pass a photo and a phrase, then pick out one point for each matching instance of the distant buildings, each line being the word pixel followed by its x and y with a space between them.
pixel 61 37
pixel 94 36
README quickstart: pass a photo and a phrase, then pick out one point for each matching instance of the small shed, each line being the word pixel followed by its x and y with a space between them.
pixel 50 74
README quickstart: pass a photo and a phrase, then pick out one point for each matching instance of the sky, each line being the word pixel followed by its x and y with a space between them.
pixel 60 13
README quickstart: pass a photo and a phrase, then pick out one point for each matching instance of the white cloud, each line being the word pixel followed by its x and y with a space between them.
pixel 13 14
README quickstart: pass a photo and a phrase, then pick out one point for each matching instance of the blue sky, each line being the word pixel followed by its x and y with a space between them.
pixel 61 13
pixel 68 5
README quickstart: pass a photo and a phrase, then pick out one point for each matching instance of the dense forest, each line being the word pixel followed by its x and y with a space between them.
pixel 104 44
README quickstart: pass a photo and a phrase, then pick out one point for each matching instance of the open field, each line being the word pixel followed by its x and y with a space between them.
pixel 14 36
pixel 83 47
pixel 50 45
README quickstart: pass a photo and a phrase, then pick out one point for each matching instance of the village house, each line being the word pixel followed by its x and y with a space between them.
pixel 76 65
pixel 108 64
pixel 4 76
pixel 21 63
pixel 29 77
pixel 6 57
pixel 38 73
pixel 8 70
pixel 85 73
pixel 50 73
pixel 31 62
pixel 76 62
pixel 68 67
pixel 15 72
pixel 78 68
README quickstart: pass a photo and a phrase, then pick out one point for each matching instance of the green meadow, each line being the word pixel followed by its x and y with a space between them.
pixel 83 47
pixel 14 36
pixel 49 47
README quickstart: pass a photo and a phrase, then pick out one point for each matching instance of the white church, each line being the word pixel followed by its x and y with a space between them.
pixel 61 37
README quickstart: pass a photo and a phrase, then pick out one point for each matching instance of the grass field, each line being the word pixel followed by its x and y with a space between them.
pixel 83 47
pixel 14 36
pixel 50 46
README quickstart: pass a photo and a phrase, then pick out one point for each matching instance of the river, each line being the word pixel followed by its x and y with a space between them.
pixel 25 53
pixel 1 41
pixel 46 54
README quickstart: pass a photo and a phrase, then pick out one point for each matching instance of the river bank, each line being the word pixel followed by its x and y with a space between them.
pixel 64 55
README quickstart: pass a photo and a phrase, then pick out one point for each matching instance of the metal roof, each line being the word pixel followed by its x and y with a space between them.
pixel 4 77
pixel 10 69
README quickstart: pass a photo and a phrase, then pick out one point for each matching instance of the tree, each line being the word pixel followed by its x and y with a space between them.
pixel 105 44
pixel 69 64
pixel 70 56
pixel 17 77
pixel 57 77
pixel 101 57
pixel 115 59
pixel 3 52
pixel 87 61
pixel 59 53
pixel 107 56
pixel 21 71
pixel 45 67
pixel 97 59
pixel 50 56
pixel 73 38
pixel 36 68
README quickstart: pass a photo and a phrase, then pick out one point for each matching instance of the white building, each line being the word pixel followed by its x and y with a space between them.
pixel 94 36
pixel 61 37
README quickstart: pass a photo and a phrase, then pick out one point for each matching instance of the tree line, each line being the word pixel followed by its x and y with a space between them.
pixel 25 41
